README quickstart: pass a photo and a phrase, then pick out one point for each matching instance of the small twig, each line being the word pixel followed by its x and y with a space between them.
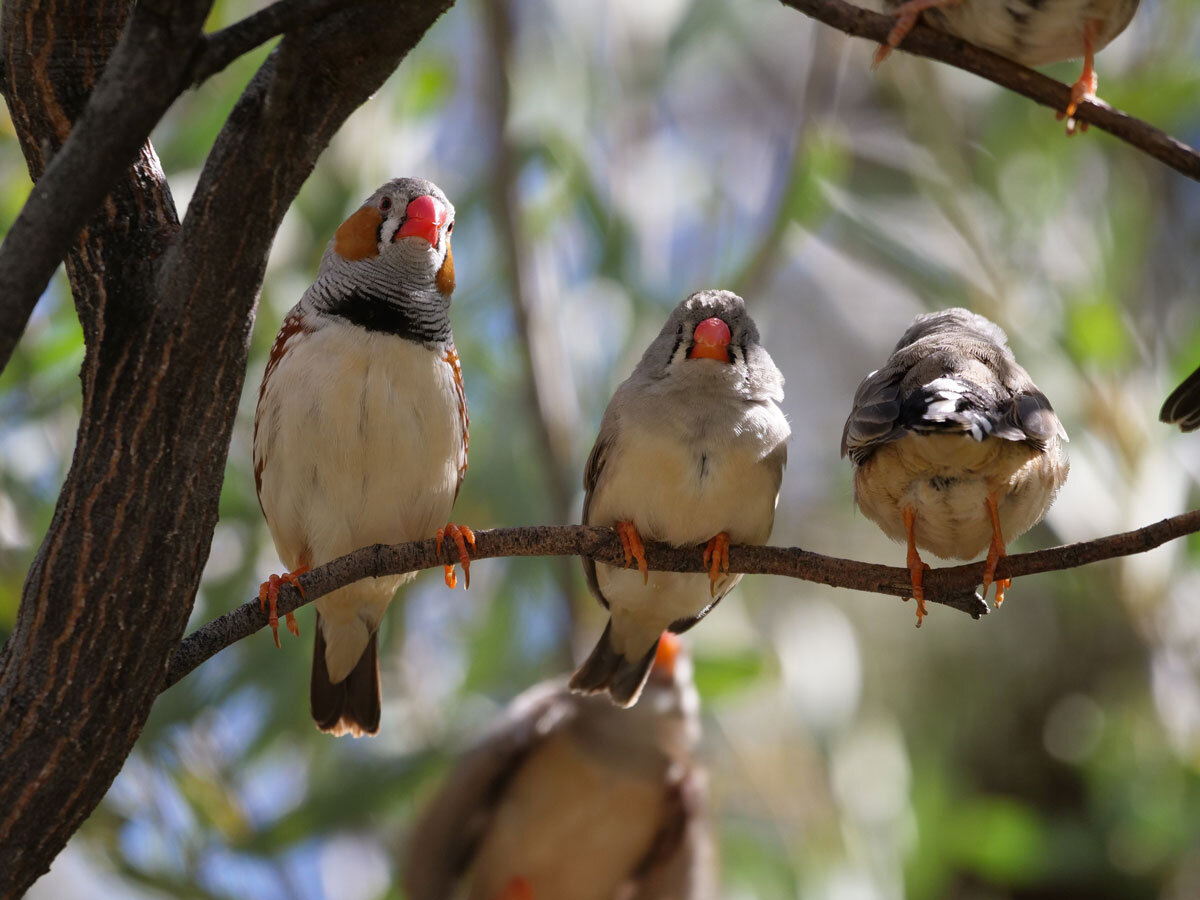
pixel 952 586
pixel 219 49
pixel 928 42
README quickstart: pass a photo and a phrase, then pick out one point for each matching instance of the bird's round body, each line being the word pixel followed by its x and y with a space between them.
pixel 1031 32
pixel 946 480
pixel 574 799
pixel 954 448
pixel 361 427
pixel 691 449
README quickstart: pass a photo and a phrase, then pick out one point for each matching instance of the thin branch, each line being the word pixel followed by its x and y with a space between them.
pixel 928 42
pixel 952 586
pixel 219 49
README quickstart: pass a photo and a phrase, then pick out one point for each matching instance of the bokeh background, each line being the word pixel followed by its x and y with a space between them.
pixel 606 159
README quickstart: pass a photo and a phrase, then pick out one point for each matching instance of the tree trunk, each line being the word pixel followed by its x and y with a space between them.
pixel 167 314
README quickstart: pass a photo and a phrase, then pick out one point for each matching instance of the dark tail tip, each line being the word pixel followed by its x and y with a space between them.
pixel 352 705
pixel 606 670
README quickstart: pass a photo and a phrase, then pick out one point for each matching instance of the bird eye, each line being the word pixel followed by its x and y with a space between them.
pixel 385 204
pixel 449 228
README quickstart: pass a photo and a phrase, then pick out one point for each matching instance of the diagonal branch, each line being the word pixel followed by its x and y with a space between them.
pixel 951 586
pixel 925 41
pixel 222 47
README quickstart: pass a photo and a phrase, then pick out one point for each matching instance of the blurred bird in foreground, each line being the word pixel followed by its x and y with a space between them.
pixel 360 436
pixel 953 446
pixel 691 451
pixel 572 798
pixel 1030 32
pixel 1182 408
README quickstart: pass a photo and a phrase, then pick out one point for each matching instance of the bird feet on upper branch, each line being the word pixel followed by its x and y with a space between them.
pixel 461 535
pixel 906 17
pixel 916 567
pixel 996 551
pixel 268 597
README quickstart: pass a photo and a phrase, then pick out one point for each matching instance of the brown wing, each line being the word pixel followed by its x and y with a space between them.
pixel 450 357
pixel 293 324
pixel 681 865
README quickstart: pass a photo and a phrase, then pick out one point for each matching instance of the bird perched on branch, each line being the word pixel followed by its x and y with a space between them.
pixel 1030 32
pixel 360 436
pixel 691 451
pixel 1183 406
pixel 953 446
pixel 572 798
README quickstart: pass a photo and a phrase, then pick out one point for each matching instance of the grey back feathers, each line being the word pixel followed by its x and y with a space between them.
pixel 951 371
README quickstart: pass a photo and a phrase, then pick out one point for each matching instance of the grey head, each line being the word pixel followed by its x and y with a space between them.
pixel 678 352
pixel 389 267
pixel 955 320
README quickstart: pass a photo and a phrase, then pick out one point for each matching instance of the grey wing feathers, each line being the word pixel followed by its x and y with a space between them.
pixel 682 863
pixel 874 418
pixel 592 473
pixel 446 836
pixel 1183 406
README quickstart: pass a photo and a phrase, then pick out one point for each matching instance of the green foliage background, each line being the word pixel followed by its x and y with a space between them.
pixel 1051 750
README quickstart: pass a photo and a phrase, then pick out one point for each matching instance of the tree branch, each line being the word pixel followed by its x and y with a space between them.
pixel 219 49
pixel 953 586
pixel 928 42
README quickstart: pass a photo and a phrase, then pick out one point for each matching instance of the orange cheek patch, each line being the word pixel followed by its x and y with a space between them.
pixel 445 275
pixel 358 237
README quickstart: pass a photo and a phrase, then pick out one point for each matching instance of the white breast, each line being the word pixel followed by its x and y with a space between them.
pixel 359 437
pixel 684 494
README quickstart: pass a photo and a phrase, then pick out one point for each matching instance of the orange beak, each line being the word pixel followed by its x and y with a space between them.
pixel 669 646
pixel 423 218
pixel 710 340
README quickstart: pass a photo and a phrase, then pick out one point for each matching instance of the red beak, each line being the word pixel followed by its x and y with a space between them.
pixel 423 218
pixel 710 340
pixel 669 647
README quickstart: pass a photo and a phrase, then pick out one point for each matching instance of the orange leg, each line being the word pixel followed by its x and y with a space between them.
pixel 461 535
pixel 1085 87
pixel 631 542
pixel 995 551
pixel 268 597
pixel 916 568
pixel 906 17
pixel 716 558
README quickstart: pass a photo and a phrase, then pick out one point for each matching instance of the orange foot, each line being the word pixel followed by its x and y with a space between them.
pixel 716 558
pixel 461 535
pixel 995 551
pixel 631 542
pixel 1085 87
pixel 916 567
pixel 906 17
pixel 268 597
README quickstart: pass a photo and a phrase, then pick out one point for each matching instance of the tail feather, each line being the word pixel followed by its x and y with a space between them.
pixel 352 705
pixel 606 670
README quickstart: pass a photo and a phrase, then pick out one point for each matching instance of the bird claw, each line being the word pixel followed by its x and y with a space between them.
pixel 916 566
pixel 268 598
pixel 996 552
pixel 906 17
pixel 461 535
pixel 631 543
pixel 716 560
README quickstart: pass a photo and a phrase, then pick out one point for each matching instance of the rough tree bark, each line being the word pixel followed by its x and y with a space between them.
pixel 167 311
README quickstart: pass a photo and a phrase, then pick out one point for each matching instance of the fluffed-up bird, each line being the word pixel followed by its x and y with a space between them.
pixel 572 798
pixel 1182 407
pixel 691 451
pixel 1030 32
pixel 954 448
pixel 360 436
